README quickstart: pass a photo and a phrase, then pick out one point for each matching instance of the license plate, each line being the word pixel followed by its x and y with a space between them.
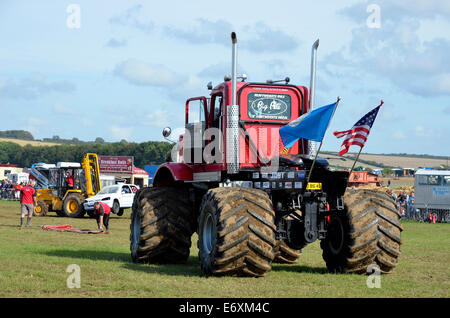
pixel 314 186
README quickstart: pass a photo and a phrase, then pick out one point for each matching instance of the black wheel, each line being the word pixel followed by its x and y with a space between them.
pixel 40 209
pixel 366 232
pixel 284 254
pixel 73 206
pixel 161 225
pixel 116 207
pixel 120 213
pixel 236 232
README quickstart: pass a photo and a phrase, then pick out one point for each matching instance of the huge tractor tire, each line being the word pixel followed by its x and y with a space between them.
pixel 73 206
pixel 236 232
pixel 366 232
pixel 284 254
pixel 161 226
pixel 40 209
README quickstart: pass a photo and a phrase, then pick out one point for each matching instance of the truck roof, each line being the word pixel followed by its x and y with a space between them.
pixel 68 165
pixel 433 172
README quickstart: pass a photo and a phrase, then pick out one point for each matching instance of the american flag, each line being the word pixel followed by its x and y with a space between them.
pixel 358 134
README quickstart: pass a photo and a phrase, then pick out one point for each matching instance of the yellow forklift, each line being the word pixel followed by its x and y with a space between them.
pixel 64 187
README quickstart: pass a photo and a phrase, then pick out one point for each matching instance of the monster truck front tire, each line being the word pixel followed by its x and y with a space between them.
pixel 236 232
pixel 161 226
pixel 366 232
pixel 284 254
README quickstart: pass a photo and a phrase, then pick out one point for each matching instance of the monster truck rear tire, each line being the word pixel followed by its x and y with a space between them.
pixel 366 232
pixel 284 254
pixel 236 232
pixel 161 226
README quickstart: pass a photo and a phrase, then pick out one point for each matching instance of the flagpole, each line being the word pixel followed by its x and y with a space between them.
pixel 312 166
pixel 317 153
pixel 357 157
pixel 354 163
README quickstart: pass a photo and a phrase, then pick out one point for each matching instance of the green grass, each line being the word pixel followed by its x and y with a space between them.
pixel 33 263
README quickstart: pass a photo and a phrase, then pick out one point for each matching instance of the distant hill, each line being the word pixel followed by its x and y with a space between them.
pixel 16 134
pixel 34 143
pixel 380 161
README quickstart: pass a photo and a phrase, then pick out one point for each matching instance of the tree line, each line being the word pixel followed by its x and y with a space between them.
pixel 16 134
pixel 145 153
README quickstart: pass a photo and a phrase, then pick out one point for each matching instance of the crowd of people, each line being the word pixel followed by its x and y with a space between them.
pixel 404 202
pixel 10 190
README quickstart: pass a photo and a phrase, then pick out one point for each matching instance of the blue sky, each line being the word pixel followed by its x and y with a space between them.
pixel 126 72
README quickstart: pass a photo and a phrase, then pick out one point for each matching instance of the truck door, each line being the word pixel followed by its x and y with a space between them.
pixel 196 124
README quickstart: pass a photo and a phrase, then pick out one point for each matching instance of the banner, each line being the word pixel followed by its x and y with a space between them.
pixel 116 164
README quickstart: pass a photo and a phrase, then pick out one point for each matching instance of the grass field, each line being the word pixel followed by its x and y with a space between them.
pixel 34 262
pixel 22 143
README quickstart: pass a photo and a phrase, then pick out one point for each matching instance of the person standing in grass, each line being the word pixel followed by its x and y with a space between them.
pixel 102 212
pixel 27 203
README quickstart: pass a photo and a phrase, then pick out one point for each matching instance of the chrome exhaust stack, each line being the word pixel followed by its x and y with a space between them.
pixel 232 133
pixel 312 90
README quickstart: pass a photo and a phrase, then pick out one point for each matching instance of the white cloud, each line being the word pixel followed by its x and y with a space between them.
pixel 158 118
pixel 399 135
pixel 141 73
pixel 35 125
pixel 258 37
pixel 114 43
pixel 120 133
pixel 420 131
pixel 447 110
pixel 396 53
pixel 132 17
pixel 33 86
pixel 86 122
pixel 62 110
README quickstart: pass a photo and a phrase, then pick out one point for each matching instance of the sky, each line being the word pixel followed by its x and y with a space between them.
pixel 124 69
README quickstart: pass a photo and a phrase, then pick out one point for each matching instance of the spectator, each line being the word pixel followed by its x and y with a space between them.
pixel 17 189
pixel 7 190
pixel 410 205
pixel 392 195
pixel 102 212
pixel 3 189
pixel 27 202
pixel 69 180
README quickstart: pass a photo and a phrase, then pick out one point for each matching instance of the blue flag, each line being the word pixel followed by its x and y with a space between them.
pixel 311 126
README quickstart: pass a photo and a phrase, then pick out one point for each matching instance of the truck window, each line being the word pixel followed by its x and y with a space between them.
pixel 447 181
pixel 196 113
pixel 216 108
pixel 434 180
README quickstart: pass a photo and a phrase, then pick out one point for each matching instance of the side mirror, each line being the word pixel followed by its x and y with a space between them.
pixel 166 132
